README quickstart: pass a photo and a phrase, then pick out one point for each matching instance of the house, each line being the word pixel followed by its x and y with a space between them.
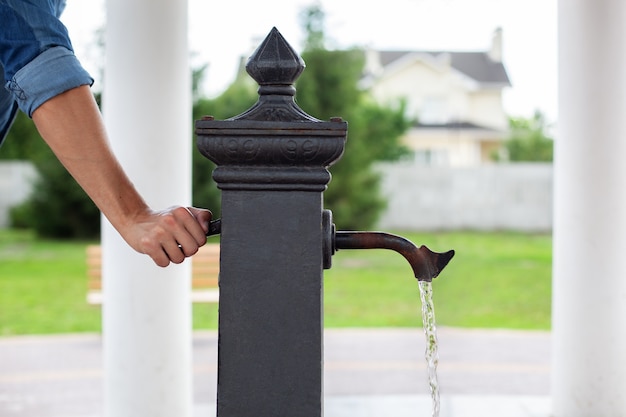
pixel 455 98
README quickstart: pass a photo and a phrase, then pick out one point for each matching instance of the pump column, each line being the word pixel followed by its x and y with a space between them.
pixel 589 284
pixel 272 170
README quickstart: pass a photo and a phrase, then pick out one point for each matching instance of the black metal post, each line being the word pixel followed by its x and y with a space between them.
pixel 272 170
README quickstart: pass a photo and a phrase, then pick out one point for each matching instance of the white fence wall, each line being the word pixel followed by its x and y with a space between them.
pixel 16 183
pixel 493 197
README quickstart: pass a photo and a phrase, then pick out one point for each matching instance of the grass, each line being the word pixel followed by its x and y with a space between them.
pixel 42 286
pixel 496 280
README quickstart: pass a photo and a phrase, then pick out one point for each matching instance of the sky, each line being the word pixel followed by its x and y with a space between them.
pixel 221 32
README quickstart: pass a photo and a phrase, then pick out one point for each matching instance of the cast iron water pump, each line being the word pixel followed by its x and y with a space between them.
pixel 272 168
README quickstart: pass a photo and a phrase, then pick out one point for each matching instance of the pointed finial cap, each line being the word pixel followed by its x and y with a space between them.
pixel 275 61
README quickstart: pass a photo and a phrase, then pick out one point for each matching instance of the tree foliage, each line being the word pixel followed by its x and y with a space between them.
pixel 529 140
pixel 23 141
pixel 329 87
pixel 57 207
pixel 313 22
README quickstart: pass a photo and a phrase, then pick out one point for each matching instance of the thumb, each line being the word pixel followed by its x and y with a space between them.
pixel 203 217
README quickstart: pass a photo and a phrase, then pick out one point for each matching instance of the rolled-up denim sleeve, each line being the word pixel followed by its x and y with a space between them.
pixel 8 110
pixel 36 53
pixel 51 73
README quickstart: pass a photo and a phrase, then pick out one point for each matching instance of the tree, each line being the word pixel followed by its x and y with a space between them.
pixel 313 22
pixel 330 87
pixel 528 140
pixel 23 141
pixel 58 207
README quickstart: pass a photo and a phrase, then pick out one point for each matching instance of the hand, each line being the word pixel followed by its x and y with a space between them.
pixel 169 235
pixel 72 126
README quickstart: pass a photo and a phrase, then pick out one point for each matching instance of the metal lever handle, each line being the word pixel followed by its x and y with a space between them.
pixel 215 227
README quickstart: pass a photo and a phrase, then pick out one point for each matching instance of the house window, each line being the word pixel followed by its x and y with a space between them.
pixel 432 157
pixel 433 110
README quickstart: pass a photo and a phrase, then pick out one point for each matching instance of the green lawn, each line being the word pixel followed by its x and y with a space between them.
pixel 495 280
pixel 42 286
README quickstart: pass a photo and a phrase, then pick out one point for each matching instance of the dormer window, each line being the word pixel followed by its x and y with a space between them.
pixel 434 110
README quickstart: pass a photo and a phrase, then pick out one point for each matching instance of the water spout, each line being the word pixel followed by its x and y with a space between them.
pixel 426 264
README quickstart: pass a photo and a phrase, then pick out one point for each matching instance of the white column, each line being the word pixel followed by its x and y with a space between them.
pixel 147 108
pixel 589 290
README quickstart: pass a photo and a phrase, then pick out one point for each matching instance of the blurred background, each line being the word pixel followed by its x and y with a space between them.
pixel 452 110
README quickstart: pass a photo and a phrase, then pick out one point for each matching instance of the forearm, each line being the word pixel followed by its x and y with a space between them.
pixel 72 126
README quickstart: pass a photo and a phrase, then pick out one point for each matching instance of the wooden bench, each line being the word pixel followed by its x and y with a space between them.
pixel 205 267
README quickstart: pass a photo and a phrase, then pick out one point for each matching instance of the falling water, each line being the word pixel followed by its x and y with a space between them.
pixel 430 330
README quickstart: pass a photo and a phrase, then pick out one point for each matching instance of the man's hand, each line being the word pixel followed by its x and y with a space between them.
pixel 72 126
pixel 169 235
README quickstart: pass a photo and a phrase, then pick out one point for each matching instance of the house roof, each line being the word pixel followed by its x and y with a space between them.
pixel 476 65
pixel 479 132
pixel 463 125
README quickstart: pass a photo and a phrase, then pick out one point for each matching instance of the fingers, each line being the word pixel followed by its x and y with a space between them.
pixel 179 234
pixel 202 216
pixel 160 258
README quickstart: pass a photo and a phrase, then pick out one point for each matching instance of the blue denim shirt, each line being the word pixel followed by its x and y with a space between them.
pixel 37 61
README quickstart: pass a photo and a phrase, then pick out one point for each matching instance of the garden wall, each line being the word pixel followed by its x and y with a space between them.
pixel 493 197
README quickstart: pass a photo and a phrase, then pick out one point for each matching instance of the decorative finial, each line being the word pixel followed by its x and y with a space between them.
pixel 275 61
pixel 275 132
pixel 275 66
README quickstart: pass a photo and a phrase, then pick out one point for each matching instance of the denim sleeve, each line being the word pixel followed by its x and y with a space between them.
pixel 36 53
pixel 51 73
pixel 8 110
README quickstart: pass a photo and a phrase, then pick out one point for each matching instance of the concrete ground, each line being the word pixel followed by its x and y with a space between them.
pixel 368 372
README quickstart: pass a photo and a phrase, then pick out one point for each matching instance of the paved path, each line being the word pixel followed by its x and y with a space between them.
pixel 367 373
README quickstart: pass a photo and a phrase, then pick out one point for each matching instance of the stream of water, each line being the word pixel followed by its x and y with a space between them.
pixel 430 330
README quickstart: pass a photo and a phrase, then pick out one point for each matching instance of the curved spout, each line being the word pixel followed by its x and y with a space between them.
pixel 426 264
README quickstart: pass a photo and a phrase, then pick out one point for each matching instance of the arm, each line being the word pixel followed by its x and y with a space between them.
pixel 72 126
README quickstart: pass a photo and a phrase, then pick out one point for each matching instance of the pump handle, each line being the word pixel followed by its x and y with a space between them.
pixel 215 227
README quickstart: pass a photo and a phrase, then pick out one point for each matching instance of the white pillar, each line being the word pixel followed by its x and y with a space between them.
pixel 589 290
pixel 147 109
